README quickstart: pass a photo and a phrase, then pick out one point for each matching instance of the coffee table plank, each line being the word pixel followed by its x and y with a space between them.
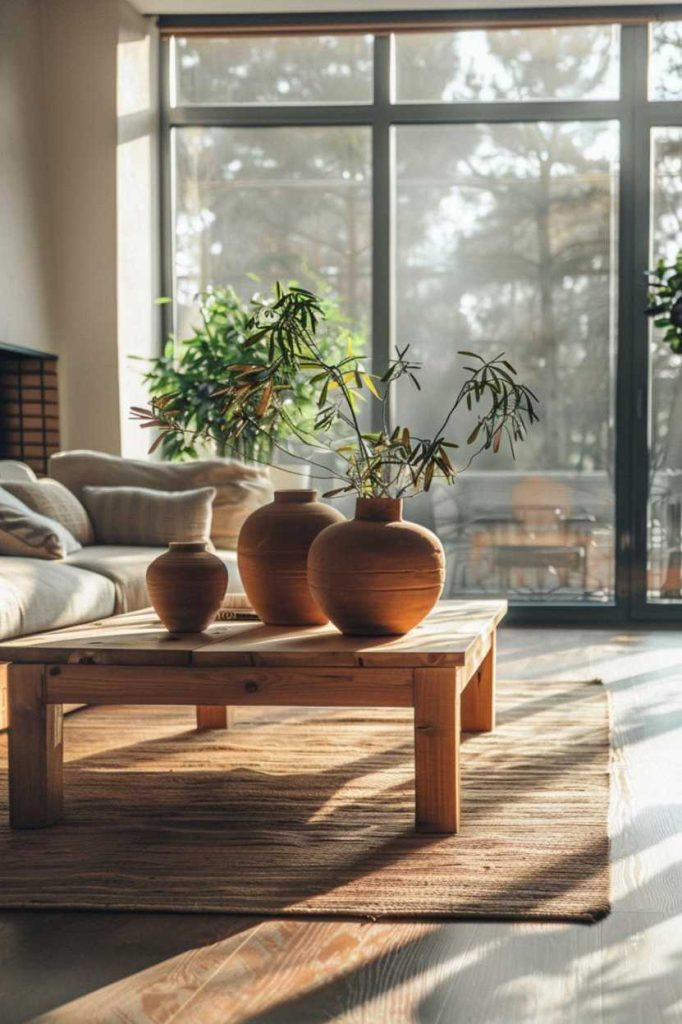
pixel 456 633
pixel 135 638
pixel 312 687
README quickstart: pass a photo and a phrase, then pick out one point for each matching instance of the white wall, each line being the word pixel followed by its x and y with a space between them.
pixel 78 205
pixel 137 219
pixel 25 245
pixel 80 120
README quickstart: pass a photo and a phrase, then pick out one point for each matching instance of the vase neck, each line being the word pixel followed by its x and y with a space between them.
pixel 380 510
pixel 188 545
pixel 294 497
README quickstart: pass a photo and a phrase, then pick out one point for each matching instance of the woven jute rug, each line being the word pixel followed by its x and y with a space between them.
pixel 311 812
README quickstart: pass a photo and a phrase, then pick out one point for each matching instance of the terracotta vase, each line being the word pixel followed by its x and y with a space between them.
pixel 376 574
pixel 272 553
pixel 186 586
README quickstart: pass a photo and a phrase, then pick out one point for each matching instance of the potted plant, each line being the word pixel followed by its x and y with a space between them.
pixel 377 574
pixel 665 300
pixel 190 374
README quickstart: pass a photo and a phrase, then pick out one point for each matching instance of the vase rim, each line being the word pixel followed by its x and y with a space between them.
pixel 188 545
pixel 296 494
pixel 387 510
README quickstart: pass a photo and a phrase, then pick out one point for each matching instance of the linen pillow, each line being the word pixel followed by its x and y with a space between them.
pixel 140 516
pixel 27 534
pixel 240 488
pixel 54 500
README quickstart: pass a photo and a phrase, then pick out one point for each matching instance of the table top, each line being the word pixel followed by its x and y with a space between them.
pixel 455 633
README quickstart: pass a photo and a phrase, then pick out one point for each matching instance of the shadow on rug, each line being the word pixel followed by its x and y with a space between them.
pixel 311 812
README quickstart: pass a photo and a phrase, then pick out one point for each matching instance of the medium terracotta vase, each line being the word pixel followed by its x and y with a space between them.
pixel 186 586
pixel 376 574
pixel 272 554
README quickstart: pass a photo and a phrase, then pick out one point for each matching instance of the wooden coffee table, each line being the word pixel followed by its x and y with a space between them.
pixel 444 669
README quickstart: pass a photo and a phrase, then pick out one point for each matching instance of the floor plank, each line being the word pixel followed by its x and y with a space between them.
pixel 146 968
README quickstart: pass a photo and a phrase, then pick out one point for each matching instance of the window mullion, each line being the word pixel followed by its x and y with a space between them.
pixel 382 213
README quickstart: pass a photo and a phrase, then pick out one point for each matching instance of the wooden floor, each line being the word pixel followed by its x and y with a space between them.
pixel 72 968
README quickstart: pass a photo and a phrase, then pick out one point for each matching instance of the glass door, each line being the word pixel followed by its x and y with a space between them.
pixel 506 241
pixel 664 505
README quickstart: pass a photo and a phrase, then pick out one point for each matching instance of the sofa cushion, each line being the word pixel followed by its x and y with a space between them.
pixel 27 534
pixel 50 498
pixel 139 515
pixel 126 567
pixel 240 488
pixel 37 595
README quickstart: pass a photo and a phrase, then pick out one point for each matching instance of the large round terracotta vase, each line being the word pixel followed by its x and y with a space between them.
pixel 272 554
pixel 186 586
pixel 376 574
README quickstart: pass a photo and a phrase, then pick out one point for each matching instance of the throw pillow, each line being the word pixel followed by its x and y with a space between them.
pixel 240 488
pixel 52 499
pixel 140 516
pixel 27 534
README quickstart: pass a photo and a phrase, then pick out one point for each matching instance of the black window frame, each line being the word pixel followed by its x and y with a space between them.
pixel 636 115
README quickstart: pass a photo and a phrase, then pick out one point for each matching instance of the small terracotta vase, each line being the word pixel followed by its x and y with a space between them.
pixel 187 585
pixel 272 554
pixel 376 574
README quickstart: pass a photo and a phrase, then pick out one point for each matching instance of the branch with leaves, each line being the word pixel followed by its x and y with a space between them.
pixel 187 381
pixel 392 462
pixel 665 300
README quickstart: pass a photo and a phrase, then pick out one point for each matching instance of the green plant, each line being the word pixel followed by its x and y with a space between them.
pixel 665 300
pixel 188 381
pixel 388 462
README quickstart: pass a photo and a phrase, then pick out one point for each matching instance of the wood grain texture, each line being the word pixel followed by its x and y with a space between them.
pixel 35 750
pixel 211 716
pixel 436 750
pixel 323 687
pixel 455 633
pixel 478 696
pixel 140 967
pixel 4 714
pixel 136 638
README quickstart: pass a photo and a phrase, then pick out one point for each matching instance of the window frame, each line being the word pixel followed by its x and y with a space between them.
pixel 636 115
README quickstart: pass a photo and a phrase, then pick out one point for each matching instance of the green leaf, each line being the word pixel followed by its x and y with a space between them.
pixel 474 433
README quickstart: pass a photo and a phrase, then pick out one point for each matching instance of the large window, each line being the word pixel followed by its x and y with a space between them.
pixel 499 189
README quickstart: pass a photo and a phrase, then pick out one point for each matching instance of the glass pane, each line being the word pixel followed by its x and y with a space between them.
pixel 278 203
pixel 563 63
pixel 665 61
pixel 665 372
pixel 506 241
pixel 278 69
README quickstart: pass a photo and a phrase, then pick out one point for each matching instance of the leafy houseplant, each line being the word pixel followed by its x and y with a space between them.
pixel 282 356
pixel 665 300
pixel 377 574
pixel 189 378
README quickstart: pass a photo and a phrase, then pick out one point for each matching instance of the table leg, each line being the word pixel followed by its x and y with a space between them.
pixel 35 750
pixel 214 716
pixel 478 698
pixel 436 748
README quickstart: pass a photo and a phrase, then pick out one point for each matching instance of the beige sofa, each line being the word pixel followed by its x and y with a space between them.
pixel 101 580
